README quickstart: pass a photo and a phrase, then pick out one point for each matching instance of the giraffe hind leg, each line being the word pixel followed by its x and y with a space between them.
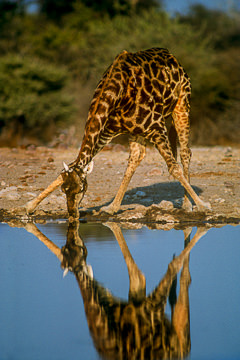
pixel 180 117
pixel 137 153
pixel 161 141
pixel 181 123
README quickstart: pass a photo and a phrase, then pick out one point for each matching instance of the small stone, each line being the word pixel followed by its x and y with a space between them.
pixel 168 218
pixel 31 195
pixel 3 183
pixel 7 191
pixel 140 208
pixel 11 166
pixel 140 194
pixel 10 193
pixel 31 147
pixel 228 152
pixel 13 196
pixel 133 214
pixel 228 184
pixel 50 159
pixel 220 200
pixel 166 205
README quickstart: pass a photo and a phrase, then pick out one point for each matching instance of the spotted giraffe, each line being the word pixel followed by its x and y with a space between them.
pixel 138 93
pixel 137 328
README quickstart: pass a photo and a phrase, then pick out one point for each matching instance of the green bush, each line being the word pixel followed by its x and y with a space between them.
pixel 33 94
pixel 83 42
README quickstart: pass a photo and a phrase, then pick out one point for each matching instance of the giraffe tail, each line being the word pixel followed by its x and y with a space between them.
pixel 172 135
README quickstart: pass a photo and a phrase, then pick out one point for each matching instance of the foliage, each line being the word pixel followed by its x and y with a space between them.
pixel 222 27
pixel 56 9
pixel 83 39
pixel 28 90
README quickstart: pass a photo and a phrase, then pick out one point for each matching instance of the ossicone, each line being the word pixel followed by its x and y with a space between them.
pixel 65 166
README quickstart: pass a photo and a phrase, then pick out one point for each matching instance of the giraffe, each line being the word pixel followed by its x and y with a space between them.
pixel 137 328
pixel 137 95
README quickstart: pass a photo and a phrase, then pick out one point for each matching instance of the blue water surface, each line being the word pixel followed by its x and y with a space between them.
pixel 42 314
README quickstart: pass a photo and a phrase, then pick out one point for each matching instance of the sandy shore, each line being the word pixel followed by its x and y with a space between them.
pixel 215 175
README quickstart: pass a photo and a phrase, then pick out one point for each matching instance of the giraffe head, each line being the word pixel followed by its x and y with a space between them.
pixel 74 186
pixel 74 253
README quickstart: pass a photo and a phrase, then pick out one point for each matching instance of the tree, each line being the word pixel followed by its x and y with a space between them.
pixel 32 96
pixel 8 9
pixel 55 9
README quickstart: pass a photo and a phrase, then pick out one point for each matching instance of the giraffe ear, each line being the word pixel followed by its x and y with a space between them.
pixel 88 168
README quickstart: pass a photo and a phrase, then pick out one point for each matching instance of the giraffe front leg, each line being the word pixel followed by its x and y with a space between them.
pixel 137 153
pixel 137 280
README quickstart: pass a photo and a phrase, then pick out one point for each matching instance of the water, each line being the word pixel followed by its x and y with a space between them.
pixel 42 314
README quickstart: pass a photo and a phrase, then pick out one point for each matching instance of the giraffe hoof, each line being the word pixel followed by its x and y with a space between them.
pixel 187 205
pixel 109 209
pixel 204 206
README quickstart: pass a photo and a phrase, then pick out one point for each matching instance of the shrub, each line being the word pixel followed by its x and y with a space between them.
pixel 32 96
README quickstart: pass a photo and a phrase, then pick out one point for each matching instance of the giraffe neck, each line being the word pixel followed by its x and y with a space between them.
pixel 96 134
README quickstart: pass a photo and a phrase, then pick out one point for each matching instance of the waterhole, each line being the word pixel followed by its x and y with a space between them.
pixel 128 294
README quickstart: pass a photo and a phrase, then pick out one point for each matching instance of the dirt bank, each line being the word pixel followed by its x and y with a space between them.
pixel 215 175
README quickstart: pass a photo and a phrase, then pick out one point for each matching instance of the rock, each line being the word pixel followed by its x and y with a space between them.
pixel 50 159
pixel 137 213
pixel 14 196
pixel 228 152
pixel 140 194
pixel 219 200
pixel 8 192
pixel 166 205
pixel 166 218
pixel 228 184
pixel 140 208
pixel 30 195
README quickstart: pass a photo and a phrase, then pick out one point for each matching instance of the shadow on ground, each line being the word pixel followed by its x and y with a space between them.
pixel 153 194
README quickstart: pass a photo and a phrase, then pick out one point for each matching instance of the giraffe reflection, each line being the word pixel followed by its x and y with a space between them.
pixel 137 328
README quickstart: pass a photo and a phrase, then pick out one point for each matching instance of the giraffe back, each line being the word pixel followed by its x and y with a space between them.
pixel 135 95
